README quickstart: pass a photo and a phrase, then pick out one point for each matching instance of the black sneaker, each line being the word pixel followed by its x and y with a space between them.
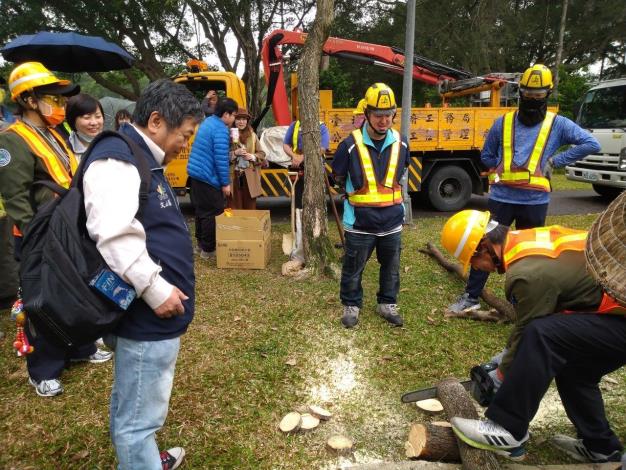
pixel 172 458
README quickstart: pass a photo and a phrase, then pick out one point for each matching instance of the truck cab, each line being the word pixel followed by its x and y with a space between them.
pixel 603 113
pixel 199 79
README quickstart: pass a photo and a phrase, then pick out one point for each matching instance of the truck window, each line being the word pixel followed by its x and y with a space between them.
pixel 604 108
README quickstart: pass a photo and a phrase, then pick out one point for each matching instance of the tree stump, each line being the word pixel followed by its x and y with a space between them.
pixel 456 402
pixel 430 441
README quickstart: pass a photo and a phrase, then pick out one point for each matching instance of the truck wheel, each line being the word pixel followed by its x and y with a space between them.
pixel 606 191
pixel 449 188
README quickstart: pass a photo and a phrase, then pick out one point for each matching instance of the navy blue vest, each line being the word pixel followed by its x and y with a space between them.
pixel 167 240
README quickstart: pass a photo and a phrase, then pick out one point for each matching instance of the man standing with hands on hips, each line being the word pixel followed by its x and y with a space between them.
pixel 521 151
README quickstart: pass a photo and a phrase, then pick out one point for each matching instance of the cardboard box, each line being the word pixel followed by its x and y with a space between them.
pixel 243 239
pixel 243 254
pixel 243 225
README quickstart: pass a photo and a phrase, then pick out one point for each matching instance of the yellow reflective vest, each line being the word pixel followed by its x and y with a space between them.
pixel 375 193
pixel 44 151
pixel 529 175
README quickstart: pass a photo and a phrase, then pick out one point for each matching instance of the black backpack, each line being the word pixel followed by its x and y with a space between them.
pixel 59 259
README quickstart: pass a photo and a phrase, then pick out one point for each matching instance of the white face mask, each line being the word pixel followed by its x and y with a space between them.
pixel 84 137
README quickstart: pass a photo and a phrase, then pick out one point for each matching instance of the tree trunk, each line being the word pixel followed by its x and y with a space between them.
pixel 559 50
pixel 429 441
pixel 318 250
pixel 456 402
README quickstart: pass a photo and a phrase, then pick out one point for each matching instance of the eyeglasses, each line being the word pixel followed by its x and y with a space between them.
pixel 54 100
pixel 534 94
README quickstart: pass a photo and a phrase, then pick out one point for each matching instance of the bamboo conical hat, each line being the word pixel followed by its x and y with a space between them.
pixel 606 249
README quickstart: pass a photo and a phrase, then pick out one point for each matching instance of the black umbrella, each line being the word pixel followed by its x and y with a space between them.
pixel 68 52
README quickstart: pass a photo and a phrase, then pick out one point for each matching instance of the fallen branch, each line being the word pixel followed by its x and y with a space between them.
pixel 456 402
pixel 504 308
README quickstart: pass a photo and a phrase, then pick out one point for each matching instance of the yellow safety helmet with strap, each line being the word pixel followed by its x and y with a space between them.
pixel 360 108
pixel 537 77
pixel 462 233
pixel 30 75
pixel 380 98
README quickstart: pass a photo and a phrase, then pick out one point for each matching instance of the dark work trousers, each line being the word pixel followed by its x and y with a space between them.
pixel 49 358
pixel 524 215
pixel 576 350
pixel 9 278
pixel 359 248
pixel 299 191
pixel 208 202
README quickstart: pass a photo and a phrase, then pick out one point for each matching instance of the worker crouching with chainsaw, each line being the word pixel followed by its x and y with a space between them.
pixel 370 163
pixel 567 328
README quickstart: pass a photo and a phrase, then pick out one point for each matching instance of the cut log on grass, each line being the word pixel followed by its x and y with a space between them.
pixel 309 422
pixel 291 422
pixel 503 307
pixel 320 412
pixel 456 402
pixel 432 405
pixel 429 441
pixel 481 315
pixel 340 444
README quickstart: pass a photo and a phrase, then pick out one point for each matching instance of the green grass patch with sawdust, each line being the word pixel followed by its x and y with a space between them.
pixel 262 345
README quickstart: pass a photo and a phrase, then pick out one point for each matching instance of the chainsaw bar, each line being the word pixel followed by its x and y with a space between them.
pixel 426 393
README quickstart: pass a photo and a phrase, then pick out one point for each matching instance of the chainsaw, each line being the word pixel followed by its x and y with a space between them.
pixel 480 385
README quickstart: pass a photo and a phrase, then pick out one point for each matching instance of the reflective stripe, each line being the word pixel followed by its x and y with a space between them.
pixel 529 174
pixel 294 136
pixel 373 193
pixel 27 78
pixel 542 241
pixel 43 150
pixel 468 230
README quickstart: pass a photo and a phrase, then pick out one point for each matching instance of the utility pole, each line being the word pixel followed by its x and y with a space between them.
pixel 407 90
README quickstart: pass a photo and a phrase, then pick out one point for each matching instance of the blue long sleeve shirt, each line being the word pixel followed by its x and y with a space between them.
pixel 564 132
pixel 209 161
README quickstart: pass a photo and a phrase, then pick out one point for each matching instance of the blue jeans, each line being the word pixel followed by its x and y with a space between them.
pixel 359 248
pixel 144 373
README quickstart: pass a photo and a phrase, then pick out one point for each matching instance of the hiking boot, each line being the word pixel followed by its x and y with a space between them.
pixel 172 458
pixel 96 358
pixel 208 255
pixel 350 316
pixel 487 435
pixel 465 303
pixel 47 388
pixel 390 313
pixel 578 451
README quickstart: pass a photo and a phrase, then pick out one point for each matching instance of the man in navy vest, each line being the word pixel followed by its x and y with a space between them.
pixel 154 255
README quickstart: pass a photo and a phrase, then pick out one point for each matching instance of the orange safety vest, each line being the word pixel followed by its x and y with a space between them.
pixel 374 193
pixel 529 175
pixel 48 156
pixel 551 242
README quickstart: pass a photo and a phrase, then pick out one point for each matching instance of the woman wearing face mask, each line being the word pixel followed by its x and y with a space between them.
pixel 85 117
pixel 247 157
pixel 31 150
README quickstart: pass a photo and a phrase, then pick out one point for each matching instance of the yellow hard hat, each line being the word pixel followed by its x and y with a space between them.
pixel 31 75
pixel 462 233
pixel 379 97
pixel 360 108
pixel 537 77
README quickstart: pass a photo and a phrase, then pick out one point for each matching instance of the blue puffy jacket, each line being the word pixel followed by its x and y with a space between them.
pixel 209 160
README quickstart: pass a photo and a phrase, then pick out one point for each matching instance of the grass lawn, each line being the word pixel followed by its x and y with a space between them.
pixel 233 383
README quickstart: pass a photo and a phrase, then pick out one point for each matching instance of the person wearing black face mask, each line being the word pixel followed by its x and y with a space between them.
pixel 520 152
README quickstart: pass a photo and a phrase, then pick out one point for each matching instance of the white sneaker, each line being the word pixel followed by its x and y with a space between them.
pixel 47 388
pixel 578 451
pixel 99 356
pixel 465 303
pixel 487 435
pixel 172 458
pixel 208 255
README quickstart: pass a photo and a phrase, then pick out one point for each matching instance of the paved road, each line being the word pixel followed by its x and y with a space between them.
pixel 562 203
